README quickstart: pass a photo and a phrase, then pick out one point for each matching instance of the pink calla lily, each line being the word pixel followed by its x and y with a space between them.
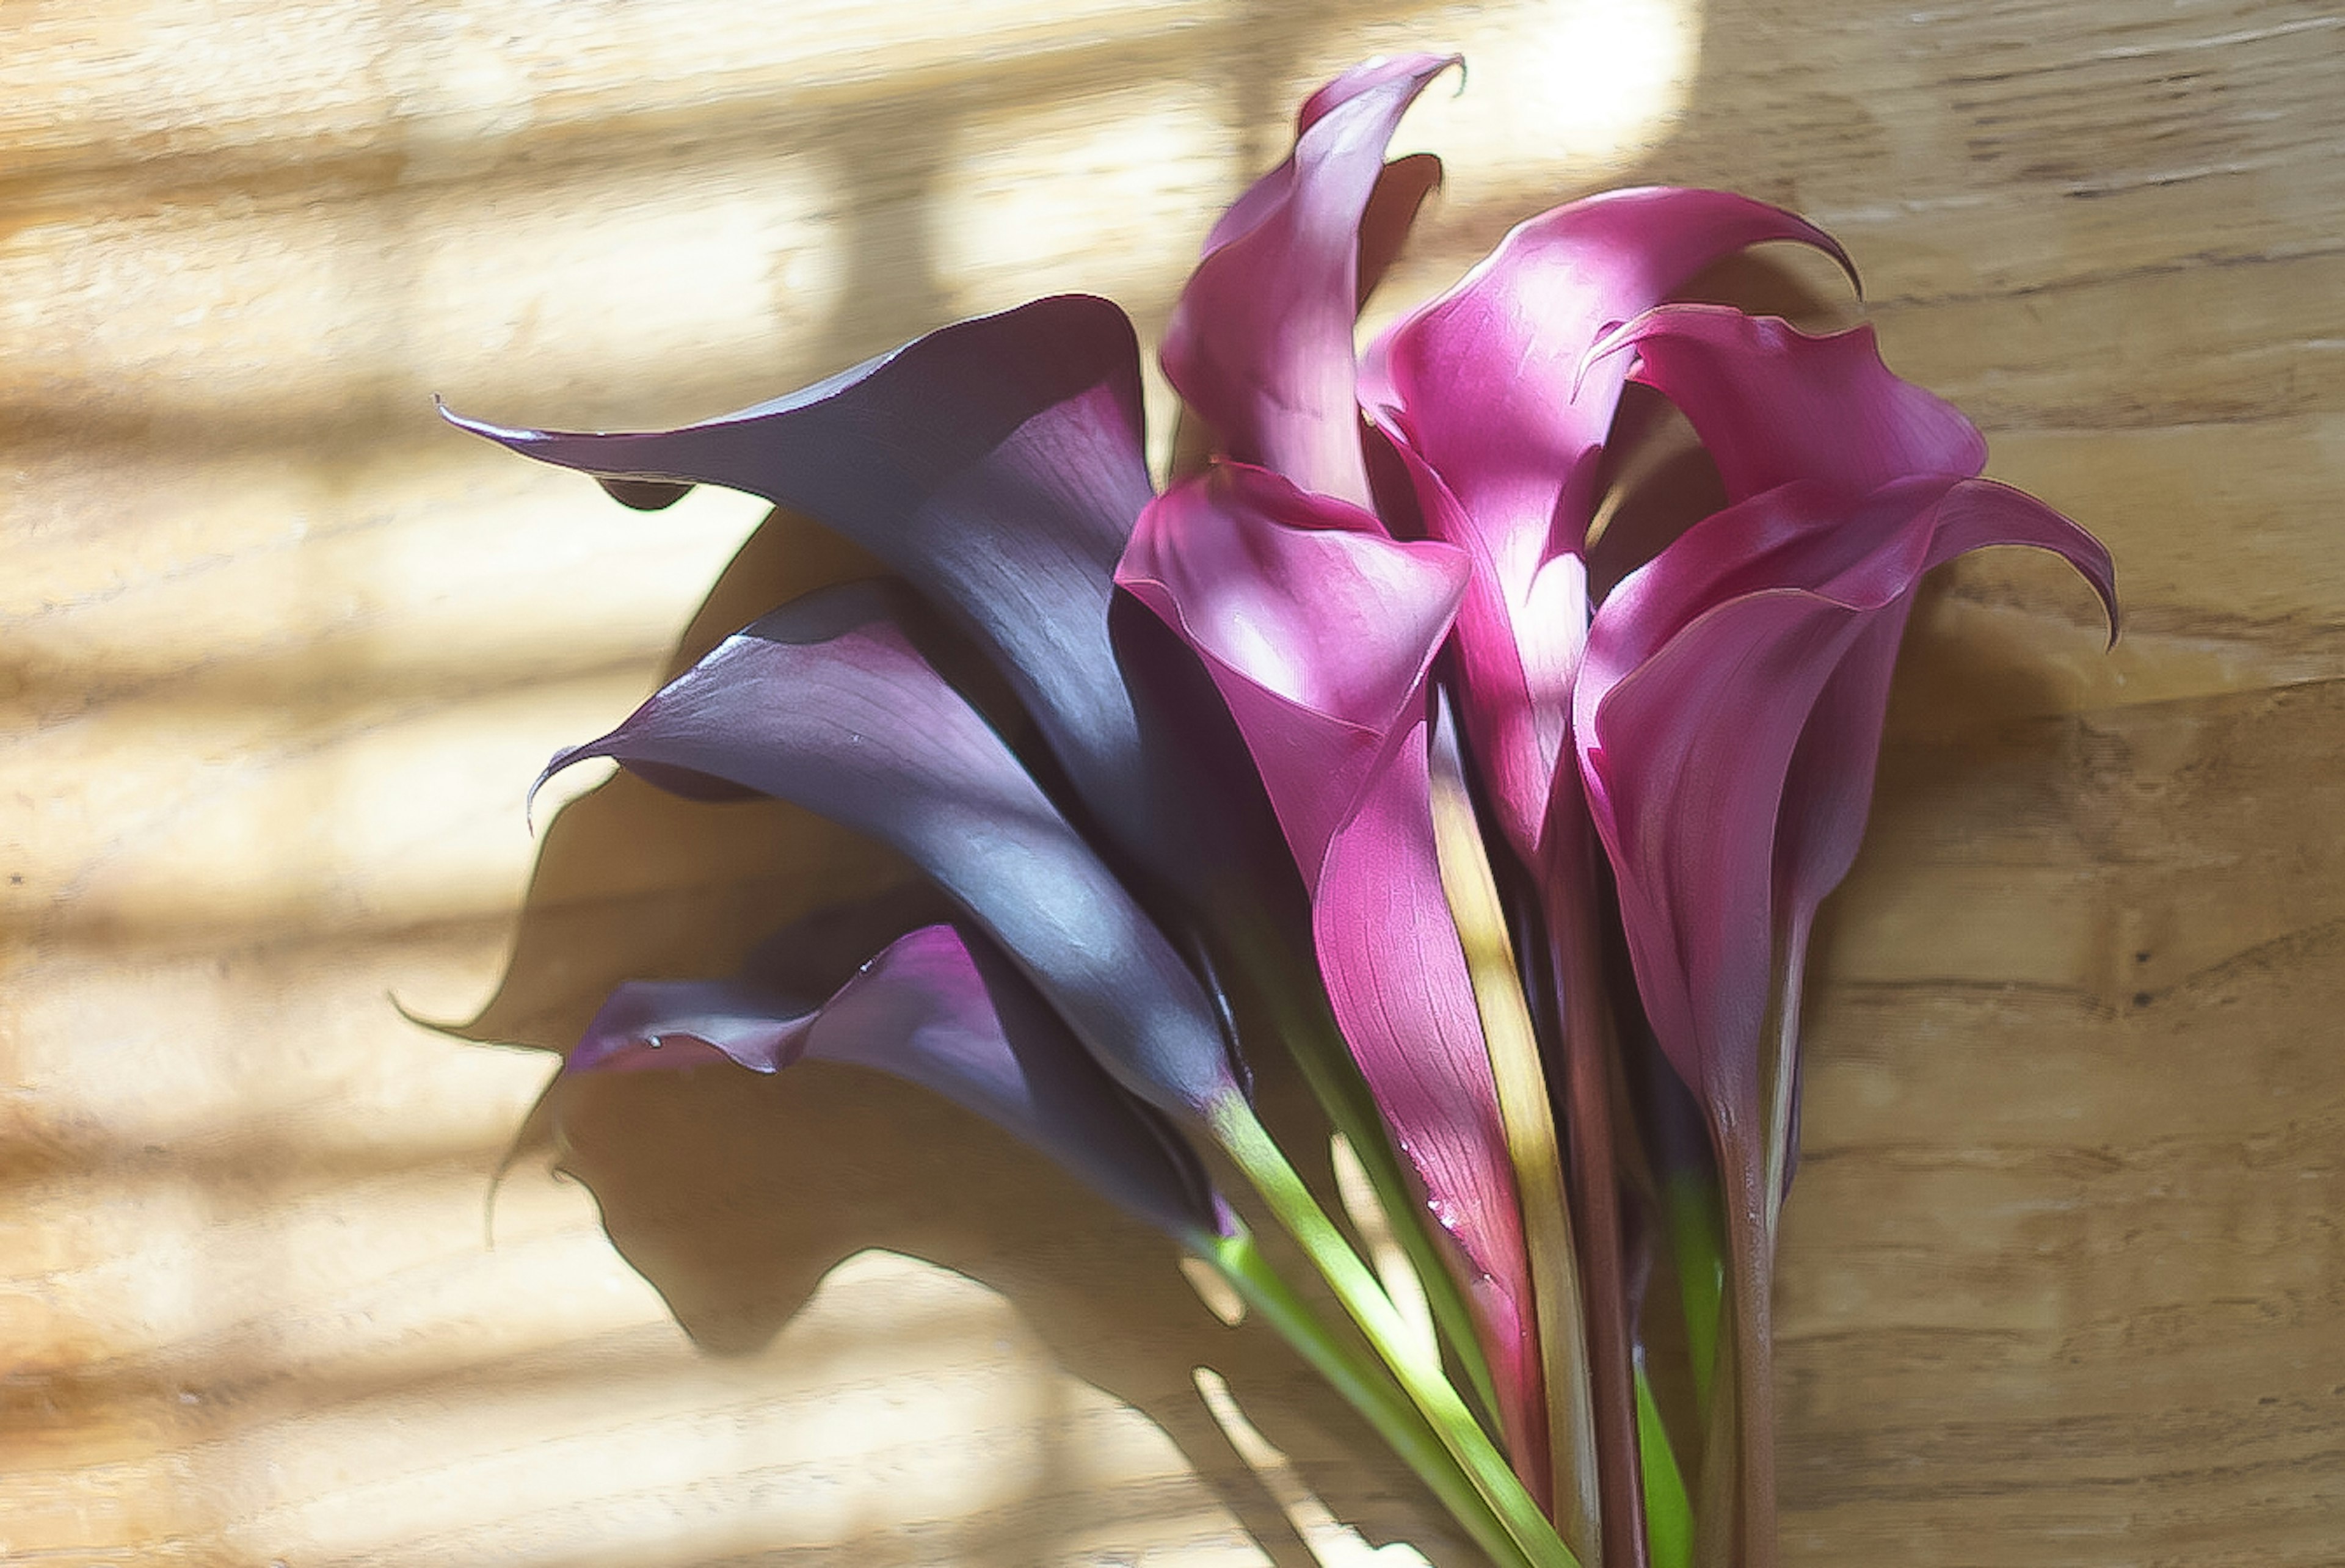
pixel 1487 400
pixel 1728 716
pixel 1727 737
pixel 1486 395
pixel 1260 344
pixel 1319 629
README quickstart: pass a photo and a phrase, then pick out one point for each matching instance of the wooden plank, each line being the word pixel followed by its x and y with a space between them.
pixel 2063 1280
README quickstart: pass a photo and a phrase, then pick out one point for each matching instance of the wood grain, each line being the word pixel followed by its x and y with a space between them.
pixel 2064 1280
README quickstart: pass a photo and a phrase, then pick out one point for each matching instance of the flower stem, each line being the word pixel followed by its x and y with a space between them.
pixel 1590 1049
pixel 1668 1512
pixel 1701 1258
pixel 1528 1114
pixel 1298 1015
pixel 1368 1387
pixel 1783 1078
pixel 1750 1280
pixel 1242 1136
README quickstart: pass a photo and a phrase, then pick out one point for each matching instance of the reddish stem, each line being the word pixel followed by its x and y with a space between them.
pixel 1751 1285
pixel 1588 1052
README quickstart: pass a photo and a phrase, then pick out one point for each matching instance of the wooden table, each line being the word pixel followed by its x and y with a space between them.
pixel 2065 1281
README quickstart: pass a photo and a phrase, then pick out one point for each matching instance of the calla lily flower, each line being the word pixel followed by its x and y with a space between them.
pixel 1320 630
pixel 940 1007
pixel 1710 730
pixel 1728 718
pixel 1486 396
pixel 828 703
pixel 997 464
pixel 1260 342
pixel 1847 484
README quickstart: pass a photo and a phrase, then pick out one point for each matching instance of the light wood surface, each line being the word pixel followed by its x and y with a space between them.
pixel 2065 1283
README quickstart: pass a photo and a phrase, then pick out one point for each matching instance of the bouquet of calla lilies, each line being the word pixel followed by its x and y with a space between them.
pixel 1357 741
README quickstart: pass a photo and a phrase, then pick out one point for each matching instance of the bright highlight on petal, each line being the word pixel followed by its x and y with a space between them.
pixel 1488 396
pixel 1320 631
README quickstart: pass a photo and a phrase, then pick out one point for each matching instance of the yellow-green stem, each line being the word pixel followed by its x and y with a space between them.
pixel 1668 1511
pixel 1318 1048
pixel 1243 1138
pixel 1369 1389
pixel 1527 1115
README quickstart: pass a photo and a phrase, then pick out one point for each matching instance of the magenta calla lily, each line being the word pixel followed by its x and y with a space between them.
pixel 938 1006
pixel 1774 404
pixel 1728 738
pixel 1849 484
pixel 1260 344
pixel 1320 630
pixel 1727 715
pixel 1486 395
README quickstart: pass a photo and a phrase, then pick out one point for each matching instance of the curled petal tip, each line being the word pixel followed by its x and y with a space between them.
pixel 499 433
pixel 1614 336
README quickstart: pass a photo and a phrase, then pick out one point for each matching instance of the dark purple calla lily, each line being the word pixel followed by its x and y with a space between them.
pixel 938 1006
pixel 1728 717
pixel 828 703
pixel 998 465
pixel 1260 343
pixel 1319 629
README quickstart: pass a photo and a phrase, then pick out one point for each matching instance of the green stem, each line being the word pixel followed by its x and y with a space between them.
pixel 1242 1136
pixel 1700 1251
pixel 1318 1048
pixel 1369 1389
pixel 1668 1511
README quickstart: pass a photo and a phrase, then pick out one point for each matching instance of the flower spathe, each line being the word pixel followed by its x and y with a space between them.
pixel 1320 630
pixel 1730 707
pixel 828 703
pixel 1486 396
pixel 942 1007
